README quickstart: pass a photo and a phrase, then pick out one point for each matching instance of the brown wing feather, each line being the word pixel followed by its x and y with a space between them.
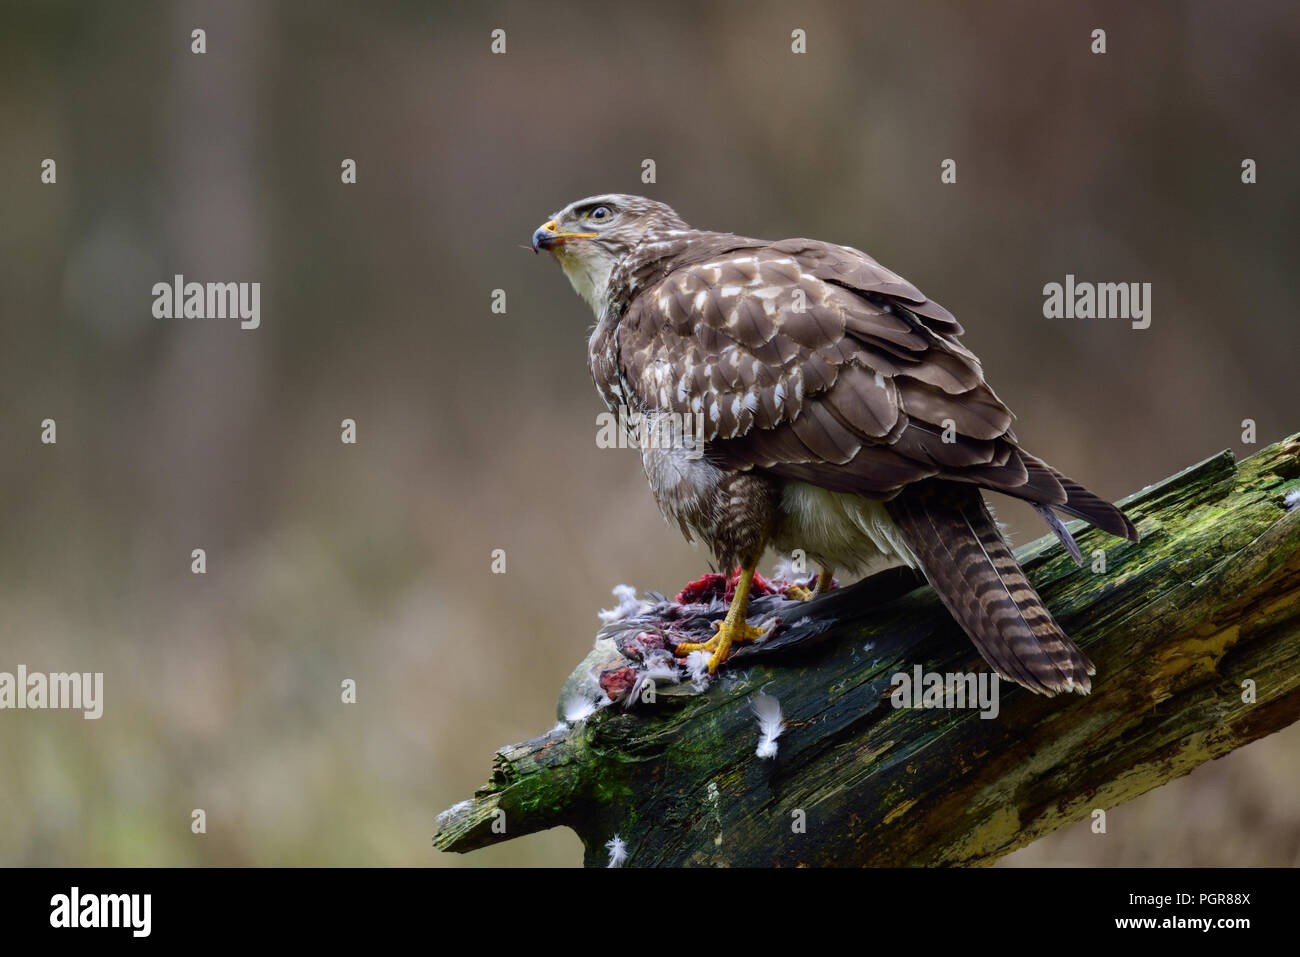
pixel 814 362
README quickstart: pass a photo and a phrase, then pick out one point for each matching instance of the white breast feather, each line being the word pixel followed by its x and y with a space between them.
pixel 849 532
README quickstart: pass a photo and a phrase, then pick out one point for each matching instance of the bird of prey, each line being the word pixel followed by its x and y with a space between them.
pixel 843 416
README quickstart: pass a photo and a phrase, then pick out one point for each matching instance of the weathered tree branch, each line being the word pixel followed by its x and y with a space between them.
pixel 1179 626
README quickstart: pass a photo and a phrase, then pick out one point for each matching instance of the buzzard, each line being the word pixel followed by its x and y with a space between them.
pixel 842 415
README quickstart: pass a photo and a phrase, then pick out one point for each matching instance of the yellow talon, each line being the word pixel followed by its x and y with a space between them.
pixel 731 629
pixel 824 579
pixel 727 633
pixel 801 593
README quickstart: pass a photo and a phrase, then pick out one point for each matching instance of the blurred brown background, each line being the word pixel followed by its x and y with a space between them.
pixel 477 431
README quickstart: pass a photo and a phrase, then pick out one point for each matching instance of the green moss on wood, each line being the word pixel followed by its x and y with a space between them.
pixel 1208 599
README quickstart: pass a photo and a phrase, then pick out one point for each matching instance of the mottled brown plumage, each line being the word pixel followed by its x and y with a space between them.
pixel 827 385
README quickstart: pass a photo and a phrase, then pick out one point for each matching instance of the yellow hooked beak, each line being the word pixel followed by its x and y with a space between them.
pixel 545 236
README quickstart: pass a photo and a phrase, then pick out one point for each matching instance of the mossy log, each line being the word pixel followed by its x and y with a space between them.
pixel 1195 633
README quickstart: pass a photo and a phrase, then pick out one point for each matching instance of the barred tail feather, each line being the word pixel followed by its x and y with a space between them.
pixel 966 559
pixel 1079 502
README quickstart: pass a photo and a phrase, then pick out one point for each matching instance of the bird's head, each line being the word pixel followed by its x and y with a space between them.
pixel 591 236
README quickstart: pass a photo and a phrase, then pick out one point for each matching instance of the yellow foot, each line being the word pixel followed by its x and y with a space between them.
pixel 720 644
pixel 825 578
pixel 799 593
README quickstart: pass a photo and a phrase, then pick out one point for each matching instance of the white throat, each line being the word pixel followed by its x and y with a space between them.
pixel 589 277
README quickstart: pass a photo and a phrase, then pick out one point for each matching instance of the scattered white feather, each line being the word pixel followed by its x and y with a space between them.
pixel 560 727
pixel 628 605
pixel 767 710
pixel 617 851
pixel 1292 500
pixel 784 571
pixel 578 708
pixel 657 673
pixel 660 666
pixel 697 669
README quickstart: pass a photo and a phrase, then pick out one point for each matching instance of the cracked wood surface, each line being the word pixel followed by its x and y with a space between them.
pixel 1180 626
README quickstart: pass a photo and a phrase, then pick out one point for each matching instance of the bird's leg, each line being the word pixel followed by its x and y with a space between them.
pixel 800 593
pixel 731 629
pixel 825 575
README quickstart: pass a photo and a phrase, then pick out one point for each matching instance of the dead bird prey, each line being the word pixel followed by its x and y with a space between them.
pixel 841 413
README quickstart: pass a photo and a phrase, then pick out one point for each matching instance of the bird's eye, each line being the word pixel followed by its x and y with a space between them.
pixel 600 214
